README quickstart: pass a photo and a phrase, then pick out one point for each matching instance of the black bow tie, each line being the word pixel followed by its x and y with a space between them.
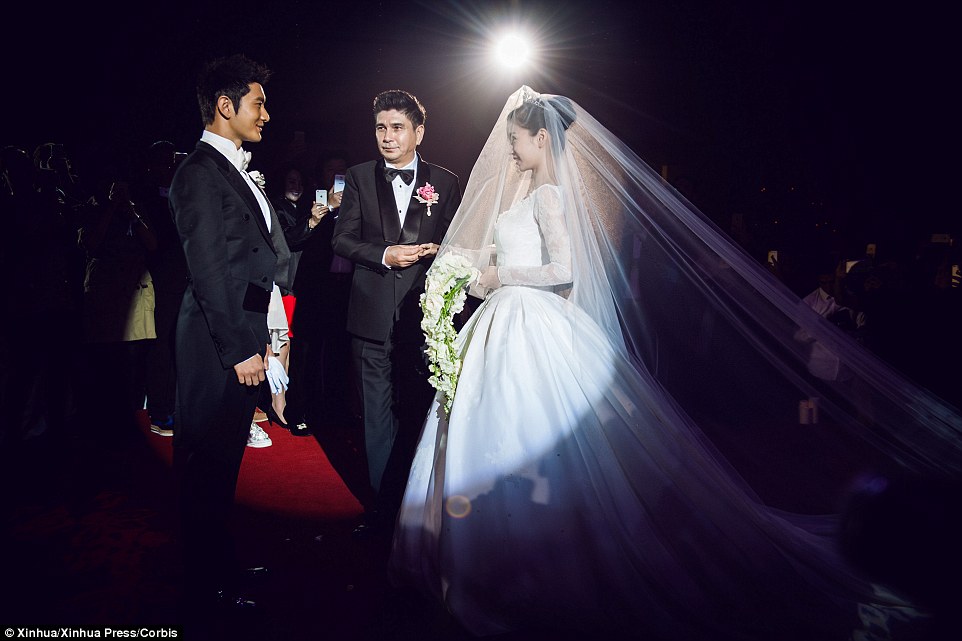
pixel 407 175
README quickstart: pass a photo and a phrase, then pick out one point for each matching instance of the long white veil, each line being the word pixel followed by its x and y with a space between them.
pixel 732 454
pixel 727 340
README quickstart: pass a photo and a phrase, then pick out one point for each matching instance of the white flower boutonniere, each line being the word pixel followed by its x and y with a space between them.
pixel 427 196
pixel 258 178
pixel 444 293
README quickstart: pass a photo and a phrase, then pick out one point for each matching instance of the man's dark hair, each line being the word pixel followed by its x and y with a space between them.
pixel 229 76
pixel 404 102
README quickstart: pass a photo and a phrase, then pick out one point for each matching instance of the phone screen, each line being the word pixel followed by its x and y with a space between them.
pixel 320 197
pixel 338 183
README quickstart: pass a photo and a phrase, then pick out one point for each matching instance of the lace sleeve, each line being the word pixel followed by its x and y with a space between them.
pixel 554 235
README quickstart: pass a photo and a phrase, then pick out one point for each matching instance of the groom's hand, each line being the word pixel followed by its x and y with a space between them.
pixel 400 256
pixel 251 372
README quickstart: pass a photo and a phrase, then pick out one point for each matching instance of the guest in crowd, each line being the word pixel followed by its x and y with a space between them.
pixel 168 270
pixel 320 391
pixel 299 222
pixel 118 313
pixel 41 307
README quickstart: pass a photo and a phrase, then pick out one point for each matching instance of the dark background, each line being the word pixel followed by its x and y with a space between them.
pixel 835 113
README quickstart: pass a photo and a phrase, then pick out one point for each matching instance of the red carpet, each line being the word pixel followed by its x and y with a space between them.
pixel 292 477
pixel 88 524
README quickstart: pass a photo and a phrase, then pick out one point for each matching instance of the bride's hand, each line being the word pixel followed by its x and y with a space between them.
pixel 489 278
pixel 428 249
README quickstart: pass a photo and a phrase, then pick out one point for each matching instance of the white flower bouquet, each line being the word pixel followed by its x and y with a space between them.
pixel 444 294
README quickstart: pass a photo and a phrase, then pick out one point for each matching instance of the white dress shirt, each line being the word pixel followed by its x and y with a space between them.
pixel 235 156
pixel 403 193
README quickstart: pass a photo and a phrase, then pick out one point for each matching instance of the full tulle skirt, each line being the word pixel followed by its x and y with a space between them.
pixel 567 492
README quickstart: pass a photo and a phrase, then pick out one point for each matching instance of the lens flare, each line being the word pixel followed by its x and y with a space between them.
pixel 458 506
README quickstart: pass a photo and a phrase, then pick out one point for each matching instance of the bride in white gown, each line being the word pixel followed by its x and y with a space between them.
pixel 576 486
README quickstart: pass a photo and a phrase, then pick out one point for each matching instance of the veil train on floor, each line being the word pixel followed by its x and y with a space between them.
pixel 716 363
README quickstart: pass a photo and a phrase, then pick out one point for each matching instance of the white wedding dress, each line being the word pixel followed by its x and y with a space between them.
pixel 567 492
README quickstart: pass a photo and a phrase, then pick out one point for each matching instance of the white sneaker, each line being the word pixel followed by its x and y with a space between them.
pixel 258 437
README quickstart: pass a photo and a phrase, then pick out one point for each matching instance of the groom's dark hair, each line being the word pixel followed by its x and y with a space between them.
pixel 227 76
pixel 404 102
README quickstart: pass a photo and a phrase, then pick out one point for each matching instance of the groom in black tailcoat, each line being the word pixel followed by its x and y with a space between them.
pixel 391 234
pixel 235 251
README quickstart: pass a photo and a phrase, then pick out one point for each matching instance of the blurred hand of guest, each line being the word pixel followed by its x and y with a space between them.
pixel 334 199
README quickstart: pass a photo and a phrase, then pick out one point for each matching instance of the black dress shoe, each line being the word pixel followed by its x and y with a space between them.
pixel 301 429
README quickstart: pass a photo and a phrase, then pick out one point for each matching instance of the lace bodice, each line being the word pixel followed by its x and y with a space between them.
pixel 532 241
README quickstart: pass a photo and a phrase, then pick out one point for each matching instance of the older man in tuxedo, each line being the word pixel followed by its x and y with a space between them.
pixel 391 234
pixel 235 252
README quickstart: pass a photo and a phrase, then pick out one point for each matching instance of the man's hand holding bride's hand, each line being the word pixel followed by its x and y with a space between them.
pixel 429 249
pixel 399 256
pixel 489 278
pixel 407 255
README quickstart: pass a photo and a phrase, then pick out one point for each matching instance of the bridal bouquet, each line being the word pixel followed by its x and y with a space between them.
pixel 444 294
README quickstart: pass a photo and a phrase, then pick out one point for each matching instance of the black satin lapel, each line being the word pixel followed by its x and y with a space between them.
pixel 281 250
pixel 239 183
pixel 276 229
pixel 416 209
pixel 390 223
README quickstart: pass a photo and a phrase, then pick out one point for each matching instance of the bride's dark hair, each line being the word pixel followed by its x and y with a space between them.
pixel 531 115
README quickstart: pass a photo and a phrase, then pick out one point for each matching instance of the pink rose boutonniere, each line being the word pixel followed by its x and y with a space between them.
pixel 427 196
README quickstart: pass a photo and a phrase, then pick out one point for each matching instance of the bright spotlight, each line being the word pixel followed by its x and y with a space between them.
pixel 513 51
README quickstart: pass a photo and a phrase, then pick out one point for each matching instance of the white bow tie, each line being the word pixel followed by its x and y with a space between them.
pixel 243 159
